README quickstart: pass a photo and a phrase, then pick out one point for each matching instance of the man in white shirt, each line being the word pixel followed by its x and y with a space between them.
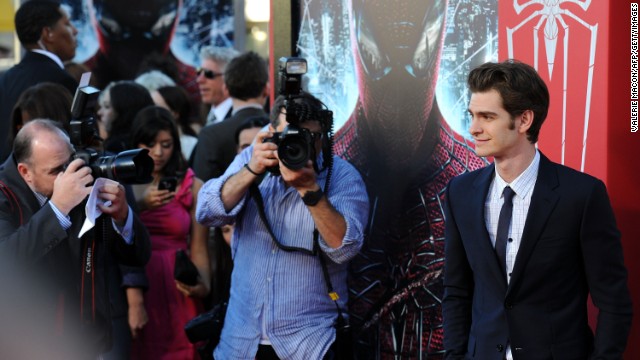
pixel 210 80
pixel 528 240
pixel 44 29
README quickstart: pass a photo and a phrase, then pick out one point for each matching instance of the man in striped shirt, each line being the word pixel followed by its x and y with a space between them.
pixel 279 307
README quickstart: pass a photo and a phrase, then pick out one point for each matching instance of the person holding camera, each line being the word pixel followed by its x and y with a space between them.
pixel 167 208
pixel 42 210
pixel 295 233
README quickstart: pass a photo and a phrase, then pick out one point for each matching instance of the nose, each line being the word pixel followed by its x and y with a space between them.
pixel 157 150
pixel 474 127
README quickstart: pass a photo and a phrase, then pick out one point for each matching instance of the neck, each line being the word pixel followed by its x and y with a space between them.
pixel 509 168
pixel 237 103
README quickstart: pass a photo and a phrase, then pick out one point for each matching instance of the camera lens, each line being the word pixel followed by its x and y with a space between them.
pixel 129 167
pixel 294 152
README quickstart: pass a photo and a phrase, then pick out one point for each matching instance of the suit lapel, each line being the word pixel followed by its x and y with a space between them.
pixel 478 198
pixel 543 201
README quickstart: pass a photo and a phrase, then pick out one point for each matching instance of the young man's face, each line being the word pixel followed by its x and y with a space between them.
pixel 60 39
pixel 494 131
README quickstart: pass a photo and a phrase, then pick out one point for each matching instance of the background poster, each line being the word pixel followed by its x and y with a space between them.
pixel 394 74
pixel 198 23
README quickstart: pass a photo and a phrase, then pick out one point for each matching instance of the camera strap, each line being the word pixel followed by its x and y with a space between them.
pixel 257 196
pixel 94 250
pixel 13 200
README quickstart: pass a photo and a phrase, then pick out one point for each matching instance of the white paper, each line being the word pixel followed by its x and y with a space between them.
pixel 92 210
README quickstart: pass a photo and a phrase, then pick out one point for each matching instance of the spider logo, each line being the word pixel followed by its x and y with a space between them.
pixel 549 18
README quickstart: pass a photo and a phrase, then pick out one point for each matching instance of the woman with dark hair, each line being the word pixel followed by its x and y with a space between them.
pixel 41 101
pixel 125 99
pixel 169 215
pixel 176 100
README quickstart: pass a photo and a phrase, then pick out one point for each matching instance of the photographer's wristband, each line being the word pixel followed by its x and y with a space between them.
pixel 251 171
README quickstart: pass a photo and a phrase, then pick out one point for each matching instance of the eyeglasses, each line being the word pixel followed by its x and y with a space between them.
pixel 209 74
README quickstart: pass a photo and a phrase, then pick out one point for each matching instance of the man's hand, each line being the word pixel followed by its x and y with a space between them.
pixel 265 155
pixel 71 186
pixel 302 180
pixel 119 209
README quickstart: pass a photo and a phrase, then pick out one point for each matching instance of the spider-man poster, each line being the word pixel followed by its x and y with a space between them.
pixel 395 76
pixel 116 36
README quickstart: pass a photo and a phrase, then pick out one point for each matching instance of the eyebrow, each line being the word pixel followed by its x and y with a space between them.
pixel 56 169
pixel 483 113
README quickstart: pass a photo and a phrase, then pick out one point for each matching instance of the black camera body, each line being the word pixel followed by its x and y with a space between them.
pixel 128 167
pixel 295 144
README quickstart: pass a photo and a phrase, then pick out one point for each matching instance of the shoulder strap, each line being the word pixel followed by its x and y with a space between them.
pixel 257 196
pixel 13 200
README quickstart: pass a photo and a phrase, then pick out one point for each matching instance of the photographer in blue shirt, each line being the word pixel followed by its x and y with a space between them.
pixel 279 307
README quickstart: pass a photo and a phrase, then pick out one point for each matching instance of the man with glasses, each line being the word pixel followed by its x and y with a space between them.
pixel 246 78
pixel 279 306
pixel 210 80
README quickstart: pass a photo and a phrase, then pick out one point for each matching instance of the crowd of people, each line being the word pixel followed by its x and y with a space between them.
pixel 276 241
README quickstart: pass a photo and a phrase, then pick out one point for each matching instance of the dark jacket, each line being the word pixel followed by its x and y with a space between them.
pixel 570 249
pixel 34 245
pixel 33 69
pixel 217 145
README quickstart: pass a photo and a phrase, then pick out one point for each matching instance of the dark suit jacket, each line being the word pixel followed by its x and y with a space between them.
pixel 217 144
pixel 32 243
pixel 570 248
pixel 33 69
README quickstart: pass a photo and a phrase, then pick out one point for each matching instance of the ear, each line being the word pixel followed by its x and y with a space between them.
pixel 46 34
pixel 23 170
pixel 526 120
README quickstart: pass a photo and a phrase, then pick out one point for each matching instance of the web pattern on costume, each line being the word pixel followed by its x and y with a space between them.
pixel 395 281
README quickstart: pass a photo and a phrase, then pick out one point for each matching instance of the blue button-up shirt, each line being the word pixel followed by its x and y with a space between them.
pixel 284 291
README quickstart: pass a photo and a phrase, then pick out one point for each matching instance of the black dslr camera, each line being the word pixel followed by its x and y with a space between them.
pixel 128 167
pixel 295 144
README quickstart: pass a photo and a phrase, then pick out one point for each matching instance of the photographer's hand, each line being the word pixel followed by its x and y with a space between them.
pixel 72 186
pixel 263 156
pixel 302 180
pixel 264 153
pixel 119 209
pixel 329 222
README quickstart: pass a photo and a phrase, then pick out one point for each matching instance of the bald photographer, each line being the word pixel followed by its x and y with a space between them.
pixel 42 210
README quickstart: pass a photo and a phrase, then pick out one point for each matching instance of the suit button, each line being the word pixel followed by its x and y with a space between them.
pixel 499 347
pixel 508 305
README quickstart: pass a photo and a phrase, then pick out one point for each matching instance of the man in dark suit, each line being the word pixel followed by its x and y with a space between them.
pixel 247 80
pixel 44 29
pixel 527 240
pixel 42 209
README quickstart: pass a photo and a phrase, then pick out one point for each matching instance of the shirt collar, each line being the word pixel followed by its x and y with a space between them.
pixel 50 55
pixel 41 198
pixel 222 109
pixel 524 183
